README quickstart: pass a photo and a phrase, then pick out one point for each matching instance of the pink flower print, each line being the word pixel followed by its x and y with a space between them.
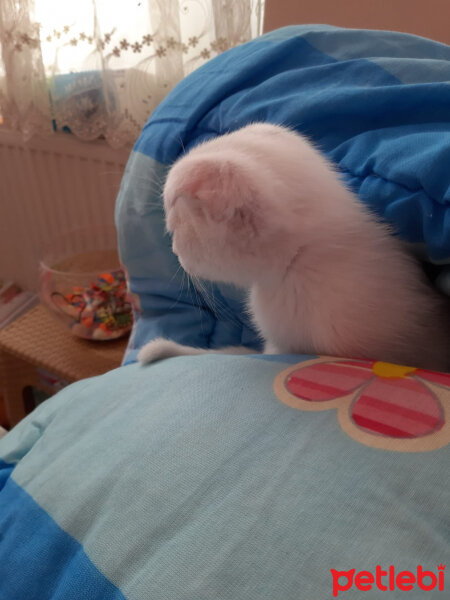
pixel 380 404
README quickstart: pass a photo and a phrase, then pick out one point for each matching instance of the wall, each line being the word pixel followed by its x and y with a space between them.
pixel 429 18
pixel 48 187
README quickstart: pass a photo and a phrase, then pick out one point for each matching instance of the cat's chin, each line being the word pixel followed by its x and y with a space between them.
pixel 191 269
pixel 205 272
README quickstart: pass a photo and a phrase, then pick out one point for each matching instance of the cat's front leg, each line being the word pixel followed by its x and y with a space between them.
pixel 161 348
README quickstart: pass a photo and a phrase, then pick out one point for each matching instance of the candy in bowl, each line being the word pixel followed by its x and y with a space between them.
pixel 83 284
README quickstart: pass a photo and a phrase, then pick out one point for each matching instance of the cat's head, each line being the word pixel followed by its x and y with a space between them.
pixel 234 204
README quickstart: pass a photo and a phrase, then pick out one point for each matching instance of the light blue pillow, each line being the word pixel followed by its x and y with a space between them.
pixel 208 477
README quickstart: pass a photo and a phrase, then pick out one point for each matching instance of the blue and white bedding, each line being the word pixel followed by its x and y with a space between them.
pixel 226 478
pixel 252 477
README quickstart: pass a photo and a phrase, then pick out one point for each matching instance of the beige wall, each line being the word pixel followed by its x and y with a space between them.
pixel 430 18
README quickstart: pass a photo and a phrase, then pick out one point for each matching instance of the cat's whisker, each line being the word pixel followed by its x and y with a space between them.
pixel 155 186
pixel 156 205
pixel 176 273
pixel 182 145
pixel 196 302
pixel 209 295
pixel 180 293
pixel 218 308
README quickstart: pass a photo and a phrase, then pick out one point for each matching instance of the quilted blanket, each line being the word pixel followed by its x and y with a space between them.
pixel 230 478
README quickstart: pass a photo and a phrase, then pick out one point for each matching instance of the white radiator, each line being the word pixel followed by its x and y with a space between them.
pixel 47 187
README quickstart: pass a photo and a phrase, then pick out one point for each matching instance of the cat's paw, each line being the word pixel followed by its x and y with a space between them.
pixel 158 349
pixel 271 348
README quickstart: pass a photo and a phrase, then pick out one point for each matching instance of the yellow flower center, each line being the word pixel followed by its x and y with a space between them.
pixel 390 371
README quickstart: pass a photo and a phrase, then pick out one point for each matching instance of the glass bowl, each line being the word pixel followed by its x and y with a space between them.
pixel 83 284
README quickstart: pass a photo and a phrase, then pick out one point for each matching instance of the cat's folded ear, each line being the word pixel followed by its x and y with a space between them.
pixel 217 187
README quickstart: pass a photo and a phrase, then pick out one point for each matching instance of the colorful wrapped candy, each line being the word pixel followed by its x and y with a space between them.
pixel 100 311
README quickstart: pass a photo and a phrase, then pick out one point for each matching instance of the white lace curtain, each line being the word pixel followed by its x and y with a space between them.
pixel 100 67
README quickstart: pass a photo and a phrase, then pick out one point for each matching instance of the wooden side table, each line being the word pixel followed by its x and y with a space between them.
pixel 37 351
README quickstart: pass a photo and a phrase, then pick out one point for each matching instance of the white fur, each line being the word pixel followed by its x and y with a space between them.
pixel 161 348
pixel 263 209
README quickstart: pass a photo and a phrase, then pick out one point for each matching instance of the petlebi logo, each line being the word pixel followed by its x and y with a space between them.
pixel 388 580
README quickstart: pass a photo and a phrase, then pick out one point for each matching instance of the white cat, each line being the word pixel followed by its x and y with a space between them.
pixel 263 209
